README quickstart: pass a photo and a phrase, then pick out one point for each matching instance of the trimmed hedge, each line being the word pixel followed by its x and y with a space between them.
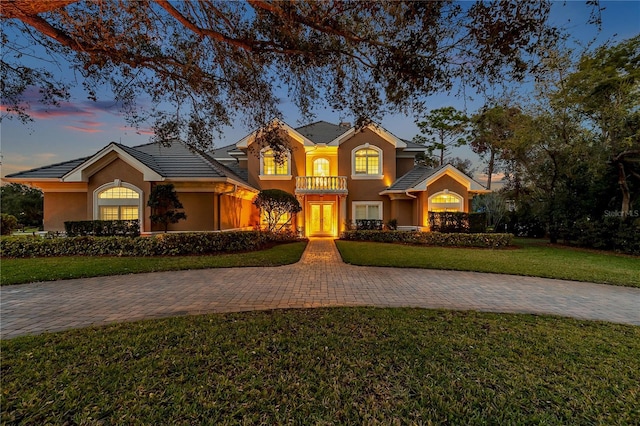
pixel 458 222
pixel 431 238
pixel 369 224
pixel 102 228
pixel 201 243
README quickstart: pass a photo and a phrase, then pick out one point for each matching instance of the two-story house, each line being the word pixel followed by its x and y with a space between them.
pixel 339 174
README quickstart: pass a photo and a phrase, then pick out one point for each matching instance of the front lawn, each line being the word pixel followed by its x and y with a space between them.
pixel 530 257
pixel 327 366
pixel 19 271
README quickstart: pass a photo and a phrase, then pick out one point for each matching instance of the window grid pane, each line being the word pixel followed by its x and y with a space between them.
pixel 445 199
pixel 367 161
pixel 118 192
pixel 128 213
pixel 270 167
pixel 109 213
pixel 361 211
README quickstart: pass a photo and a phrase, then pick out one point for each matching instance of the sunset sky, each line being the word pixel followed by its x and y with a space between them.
pixel 81 127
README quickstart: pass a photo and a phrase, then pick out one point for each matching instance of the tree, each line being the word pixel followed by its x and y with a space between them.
pixel 164 203
pixel 493 131
pixel 464 165
pixel 494 205
pixel 8 224
pixel 23 202
pixel 444 128
pixel 605 90
pixel 277 207
pixel 203 62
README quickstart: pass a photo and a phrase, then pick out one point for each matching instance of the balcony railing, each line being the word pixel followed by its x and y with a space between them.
pixel 321 185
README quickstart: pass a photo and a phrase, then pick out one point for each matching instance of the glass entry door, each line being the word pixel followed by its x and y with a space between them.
pixel 321 219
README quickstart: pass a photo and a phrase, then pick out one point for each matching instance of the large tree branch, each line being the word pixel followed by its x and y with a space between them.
pixel 22 8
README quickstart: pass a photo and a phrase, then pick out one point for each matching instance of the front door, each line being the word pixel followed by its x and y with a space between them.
pixel 321 219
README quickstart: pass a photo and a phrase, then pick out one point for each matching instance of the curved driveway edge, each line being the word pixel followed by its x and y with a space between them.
pixel 319 279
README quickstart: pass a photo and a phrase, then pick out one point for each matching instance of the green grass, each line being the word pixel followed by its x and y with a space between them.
pixel 19 271
pixel 530 257
pixel 327 366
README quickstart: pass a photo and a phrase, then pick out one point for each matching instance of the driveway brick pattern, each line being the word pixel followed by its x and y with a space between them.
pixel 319 279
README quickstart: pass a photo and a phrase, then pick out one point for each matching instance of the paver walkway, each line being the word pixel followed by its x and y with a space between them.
pixel 319 279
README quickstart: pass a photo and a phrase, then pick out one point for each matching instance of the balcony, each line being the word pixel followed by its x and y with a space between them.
pixel 321 185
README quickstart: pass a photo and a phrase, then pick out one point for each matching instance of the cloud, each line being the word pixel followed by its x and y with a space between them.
pixel 140 131
pixel 83 129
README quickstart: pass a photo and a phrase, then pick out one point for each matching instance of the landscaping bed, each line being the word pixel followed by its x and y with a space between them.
pixel 431 238
pixel 178 244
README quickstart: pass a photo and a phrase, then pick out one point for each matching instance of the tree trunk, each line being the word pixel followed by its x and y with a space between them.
pixel 624 187
pixel 492 160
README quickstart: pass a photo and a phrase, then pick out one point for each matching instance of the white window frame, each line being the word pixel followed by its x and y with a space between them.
pixel 380 205
pixel 97 201
pixel 263 176
pixel 355 176
pixel 460 204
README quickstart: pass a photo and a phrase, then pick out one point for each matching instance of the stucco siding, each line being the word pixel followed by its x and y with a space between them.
pixel 237 213
pixel 199 208
pixel 368 189
pixel 298 159
pixel 404 165
pixel 403 211
pixel 60 207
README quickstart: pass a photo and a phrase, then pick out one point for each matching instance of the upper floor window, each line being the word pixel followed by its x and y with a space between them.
pixel 321 167
pixel 367 162
pixel 271 169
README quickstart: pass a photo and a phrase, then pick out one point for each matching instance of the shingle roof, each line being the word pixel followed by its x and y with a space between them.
pixel 413 177
pixel 51 171
pixel 224 152
pixel 175 161
pixel 321 131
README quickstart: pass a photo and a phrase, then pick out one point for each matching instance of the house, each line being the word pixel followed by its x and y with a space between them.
pixel 338 173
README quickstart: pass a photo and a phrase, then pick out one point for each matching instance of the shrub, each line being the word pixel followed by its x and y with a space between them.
pixel 369 224
pixel 277 207
pixel 611 233
pixel 164 204
pixel 457 222
pixel 431 238
pixel 102 228
pixel 9 224
pixel 201 243
pixel 392 225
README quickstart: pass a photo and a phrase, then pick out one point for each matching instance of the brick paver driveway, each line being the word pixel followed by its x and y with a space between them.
pixel 319 279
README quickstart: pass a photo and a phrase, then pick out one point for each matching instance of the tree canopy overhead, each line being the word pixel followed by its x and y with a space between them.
pixel 211 61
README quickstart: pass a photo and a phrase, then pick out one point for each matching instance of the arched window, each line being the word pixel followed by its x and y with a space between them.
pixel 366 162
pixel 446 201
pixel 321 167
pixel 270 168
pixel 117 201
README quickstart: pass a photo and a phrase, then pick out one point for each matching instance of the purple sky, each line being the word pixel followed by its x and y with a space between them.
pixel 82 127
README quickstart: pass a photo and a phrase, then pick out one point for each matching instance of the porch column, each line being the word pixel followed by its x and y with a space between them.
pixel 342 215
pixel 302 214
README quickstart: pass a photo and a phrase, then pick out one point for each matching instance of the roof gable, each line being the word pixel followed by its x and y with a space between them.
pixel 420 177
pixel 454 173
pixel 293 133
pixel 140 162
